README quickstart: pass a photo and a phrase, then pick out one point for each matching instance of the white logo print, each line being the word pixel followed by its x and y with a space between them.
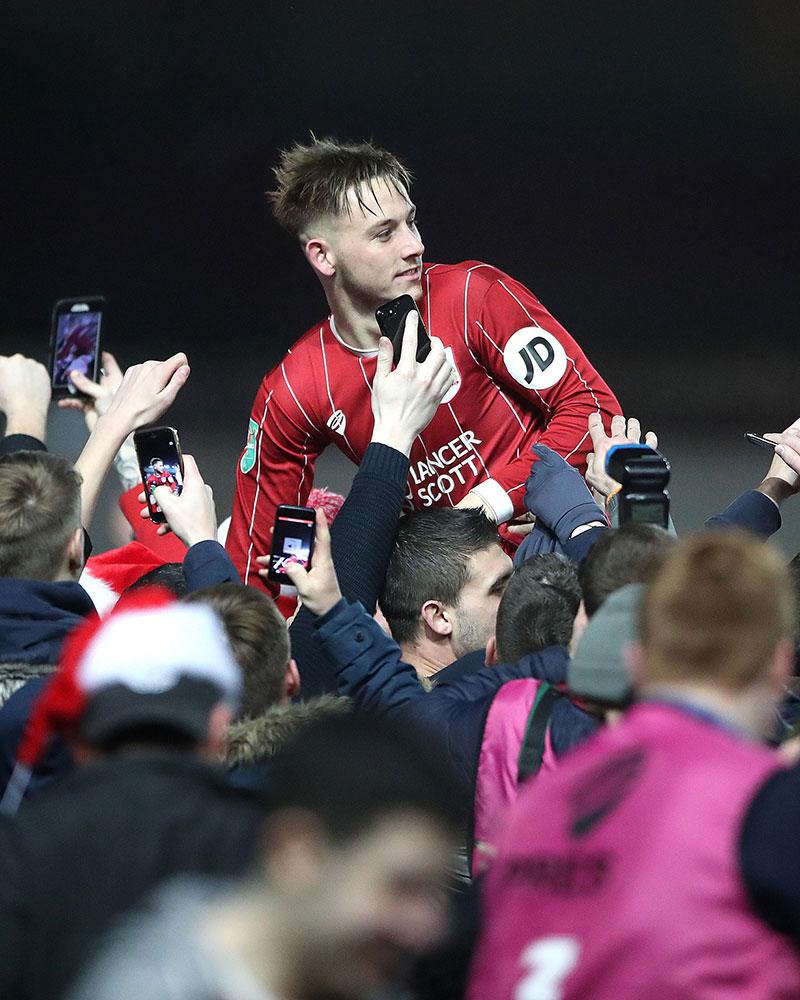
pixel 337 421
pixel 451 392
pixel 535 358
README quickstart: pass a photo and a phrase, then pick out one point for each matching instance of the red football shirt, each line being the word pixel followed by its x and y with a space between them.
pixel 522 378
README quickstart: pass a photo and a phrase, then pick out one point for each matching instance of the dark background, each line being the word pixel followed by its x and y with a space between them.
pixel 635 164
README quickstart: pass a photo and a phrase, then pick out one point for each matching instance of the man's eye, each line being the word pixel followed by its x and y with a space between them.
pixel 384 234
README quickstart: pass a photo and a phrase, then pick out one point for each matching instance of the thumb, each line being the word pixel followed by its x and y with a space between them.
pixel 86 385
pixel 298 575
pixel 164 497
pixel 385 358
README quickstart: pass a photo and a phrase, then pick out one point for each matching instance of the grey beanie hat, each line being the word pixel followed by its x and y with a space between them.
pixel 598 670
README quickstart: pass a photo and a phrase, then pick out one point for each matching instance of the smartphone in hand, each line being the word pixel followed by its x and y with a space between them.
pixel 391 317
pixel 75 342
pixel 158 451
pixel 292 538
pixel 760 442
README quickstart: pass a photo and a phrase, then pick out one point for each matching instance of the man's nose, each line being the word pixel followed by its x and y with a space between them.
pixel 415 246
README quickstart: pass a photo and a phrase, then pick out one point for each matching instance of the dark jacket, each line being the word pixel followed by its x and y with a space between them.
pixel 370 670
pixel 94 845
pixel 36 617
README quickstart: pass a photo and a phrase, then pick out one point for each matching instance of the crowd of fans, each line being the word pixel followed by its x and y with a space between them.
pixel 461 768
pixel 450 774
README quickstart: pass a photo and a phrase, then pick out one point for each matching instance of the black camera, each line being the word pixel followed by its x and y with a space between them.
pixel 643 474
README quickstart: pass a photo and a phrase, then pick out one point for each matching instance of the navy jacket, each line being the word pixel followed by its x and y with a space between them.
pixel 36 617
pixel 370 670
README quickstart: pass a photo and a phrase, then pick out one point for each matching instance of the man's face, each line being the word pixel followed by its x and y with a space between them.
pixel 158 465
pixel 380 902
pixel 377 248
pixel 474 617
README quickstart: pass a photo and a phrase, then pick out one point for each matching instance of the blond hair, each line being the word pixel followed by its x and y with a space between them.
pixel 40 508
pixel 716 611
pixel 313 180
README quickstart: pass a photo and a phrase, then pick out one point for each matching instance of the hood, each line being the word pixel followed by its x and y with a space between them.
pixel 36 616
pixel 254 740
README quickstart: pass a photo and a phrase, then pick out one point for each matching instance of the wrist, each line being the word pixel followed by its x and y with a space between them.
pixel 391 437
pixel 776 489
pixel 34 424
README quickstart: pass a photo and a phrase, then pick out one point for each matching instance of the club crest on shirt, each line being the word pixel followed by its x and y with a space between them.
pixel 337 421
pixel 249 455
pixel 451 392
pixel 535 358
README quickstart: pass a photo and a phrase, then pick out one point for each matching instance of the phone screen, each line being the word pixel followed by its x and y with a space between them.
pixel 77 336
pixel 160 463
pixel 293 538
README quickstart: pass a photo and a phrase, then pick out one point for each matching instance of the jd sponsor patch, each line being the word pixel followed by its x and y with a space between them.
pixel 249 455
pixel 535 358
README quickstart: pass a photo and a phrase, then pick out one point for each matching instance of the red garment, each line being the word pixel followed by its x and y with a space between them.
pixel 522 378
pixel 161 479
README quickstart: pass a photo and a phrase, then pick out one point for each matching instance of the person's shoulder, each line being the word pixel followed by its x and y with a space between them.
pixel 476 271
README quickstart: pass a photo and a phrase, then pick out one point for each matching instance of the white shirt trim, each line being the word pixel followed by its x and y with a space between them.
pixel 365 351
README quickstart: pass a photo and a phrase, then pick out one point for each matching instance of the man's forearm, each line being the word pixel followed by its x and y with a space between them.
pixel 96 458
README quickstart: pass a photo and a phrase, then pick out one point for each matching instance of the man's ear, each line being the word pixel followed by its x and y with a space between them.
pixel 219 722
pixel 74 553
pixel 436 619
pixel 633 658
pixel 291 681
pixel 320 256
pixel 491 652
pixel 782 665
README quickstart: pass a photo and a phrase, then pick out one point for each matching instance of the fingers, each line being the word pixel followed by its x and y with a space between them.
pixel 191 473
pixel 385 358
pixel 86 385
pixel 618 426
pixel 112 369
pixel 296 573
pixel 651 438
pixel 176 382
pixel 596 429
pixel 322 542
pixel 71 404
pixel 408 353
pixel 634 430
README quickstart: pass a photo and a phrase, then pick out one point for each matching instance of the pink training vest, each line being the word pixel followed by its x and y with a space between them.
pixel 618 877
pixel 496 785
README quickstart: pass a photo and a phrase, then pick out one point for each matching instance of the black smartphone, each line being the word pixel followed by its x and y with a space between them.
pixel 160 463
pixel 760 442
pixel 391 317
pixel 293 538
pixel 75 342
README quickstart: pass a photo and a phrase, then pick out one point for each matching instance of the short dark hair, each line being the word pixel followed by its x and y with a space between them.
pixel 259 639
pixel 538 607
pixel 631 554
pixel 430 561
pixel 170 576
pixel 313 180
pixel 40 508
pixel 350 771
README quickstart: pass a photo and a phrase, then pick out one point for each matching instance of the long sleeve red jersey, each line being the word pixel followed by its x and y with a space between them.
pixel 521 379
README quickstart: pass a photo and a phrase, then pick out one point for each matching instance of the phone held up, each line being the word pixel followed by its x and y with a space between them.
pixel 391 317
pixel 158 451
pixel 760 442
pixel 292 538
pixel 75 342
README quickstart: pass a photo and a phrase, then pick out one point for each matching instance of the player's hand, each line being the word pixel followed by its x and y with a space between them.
pixel 317 587
pixel 24 395
pixel 405 400
pixel 786 464
pixel 192 515
pixel 100 393
pixel 622 432
pixel 147 391
pixel 474 501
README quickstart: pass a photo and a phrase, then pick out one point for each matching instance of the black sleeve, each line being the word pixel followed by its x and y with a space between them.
pixel 20 442
pixel 362 537
pixel 769 855
pixel 752 511
pixel 206 564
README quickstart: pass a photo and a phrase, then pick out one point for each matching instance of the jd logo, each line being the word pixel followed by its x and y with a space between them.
pixel 337 421
pixel 249 454
pixel 535 358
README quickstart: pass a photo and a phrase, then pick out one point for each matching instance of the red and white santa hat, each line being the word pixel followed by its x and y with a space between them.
pixel 154 663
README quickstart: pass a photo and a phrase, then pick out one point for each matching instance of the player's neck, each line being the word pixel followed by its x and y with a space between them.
pixel 355 321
